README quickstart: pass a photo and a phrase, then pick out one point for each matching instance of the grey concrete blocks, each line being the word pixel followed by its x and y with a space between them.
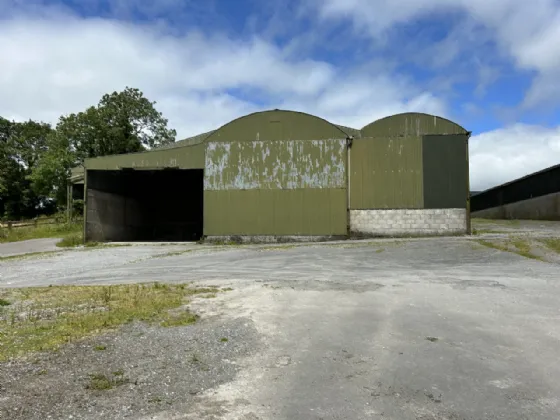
pixel 409 222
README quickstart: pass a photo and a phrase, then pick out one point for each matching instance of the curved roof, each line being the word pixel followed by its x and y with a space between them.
pixel 411 124
pixel 278 125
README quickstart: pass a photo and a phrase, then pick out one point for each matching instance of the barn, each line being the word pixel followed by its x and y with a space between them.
pixel 283 175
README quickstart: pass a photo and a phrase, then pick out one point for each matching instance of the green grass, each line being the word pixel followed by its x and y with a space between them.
pixel 55 230
pixel 4 302
pixel 101 382
pixel 29 255
pixel 476 222
pixel 552 244
pixel 44 318
pixel 518 246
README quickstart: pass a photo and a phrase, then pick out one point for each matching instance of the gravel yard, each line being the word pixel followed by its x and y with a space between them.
pixel 430 329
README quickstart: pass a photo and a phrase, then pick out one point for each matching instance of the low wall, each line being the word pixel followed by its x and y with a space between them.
pixel 417 222
pixel 546 207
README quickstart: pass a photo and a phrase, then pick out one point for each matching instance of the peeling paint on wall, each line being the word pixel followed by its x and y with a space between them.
pixel 275 165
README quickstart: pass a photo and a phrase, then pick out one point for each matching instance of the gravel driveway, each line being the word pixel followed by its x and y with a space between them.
pixel 434 329
pixel 27 247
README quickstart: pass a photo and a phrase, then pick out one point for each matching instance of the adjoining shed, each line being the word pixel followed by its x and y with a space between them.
pixel 283 175
pixel 533 197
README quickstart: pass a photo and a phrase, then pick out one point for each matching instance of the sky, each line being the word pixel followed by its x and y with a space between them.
pixel 493 66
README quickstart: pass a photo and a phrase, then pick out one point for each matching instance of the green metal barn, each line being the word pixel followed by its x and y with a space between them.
pixel 283 175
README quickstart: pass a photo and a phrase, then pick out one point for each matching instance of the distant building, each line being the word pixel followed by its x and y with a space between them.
pixel 533 197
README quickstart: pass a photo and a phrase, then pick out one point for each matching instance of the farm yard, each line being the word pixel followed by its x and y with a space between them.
pixel 437 328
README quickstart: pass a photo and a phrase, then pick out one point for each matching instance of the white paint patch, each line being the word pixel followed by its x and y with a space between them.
pixel 275 165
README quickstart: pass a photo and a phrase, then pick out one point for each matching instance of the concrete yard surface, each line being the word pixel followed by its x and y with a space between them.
pixel 430 329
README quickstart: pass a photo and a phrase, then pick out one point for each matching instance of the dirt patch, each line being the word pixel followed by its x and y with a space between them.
pixel 139 371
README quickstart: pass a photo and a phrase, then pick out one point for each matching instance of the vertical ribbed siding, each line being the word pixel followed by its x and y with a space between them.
pixel 275 188
pixel 386 173
pixel 445 171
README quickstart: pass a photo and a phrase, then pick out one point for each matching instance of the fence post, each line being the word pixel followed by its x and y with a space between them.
pixel 9 226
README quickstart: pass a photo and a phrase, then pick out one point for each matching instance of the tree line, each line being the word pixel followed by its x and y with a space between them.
pixel 36 158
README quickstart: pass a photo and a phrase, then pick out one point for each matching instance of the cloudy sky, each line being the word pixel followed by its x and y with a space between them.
pixel 491 65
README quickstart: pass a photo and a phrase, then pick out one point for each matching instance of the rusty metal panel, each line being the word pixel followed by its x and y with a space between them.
pixel 275 165
pixel 411 125
pixel 386 173
pixel 445 162
pixel 277 125
pixel 188 157
pixel 313 212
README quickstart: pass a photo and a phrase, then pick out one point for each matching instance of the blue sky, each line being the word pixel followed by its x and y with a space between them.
pixel 492 66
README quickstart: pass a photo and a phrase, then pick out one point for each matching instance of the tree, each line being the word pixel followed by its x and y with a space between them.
pixel 21 147
pixel 122 122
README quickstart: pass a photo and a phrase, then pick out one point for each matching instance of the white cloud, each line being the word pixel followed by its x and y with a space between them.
pixel 503 155
pixel 528 32
pixel 55 64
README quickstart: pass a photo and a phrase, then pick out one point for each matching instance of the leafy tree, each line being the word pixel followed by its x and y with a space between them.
pixel 21 148
pixel 122 122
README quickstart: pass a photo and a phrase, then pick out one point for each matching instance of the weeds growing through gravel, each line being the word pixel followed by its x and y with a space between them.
pixel 552 244
pixel 45 318
pixel 101 382
pixel 518 246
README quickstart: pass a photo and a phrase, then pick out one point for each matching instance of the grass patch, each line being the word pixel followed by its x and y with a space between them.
pixel 4 302
pixel 100 348
pixel 44 318
pixel 101 382
pixel 552 244
pixel 55 230
pixel 518 246
pixel 224 339
pixel 29 255
pixel 504 222
pixel 486 231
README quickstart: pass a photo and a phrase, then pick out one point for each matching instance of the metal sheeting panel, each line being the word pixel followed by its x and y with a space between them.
pixel 275 165
pixel 411 124
pixel 277 125
pixel 386 173
pixel 189 157
pixel 313 212
pixel 445 163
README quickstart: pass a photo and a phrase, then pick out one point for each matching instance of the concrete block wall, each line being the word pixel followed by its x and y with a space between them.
pixel 415 222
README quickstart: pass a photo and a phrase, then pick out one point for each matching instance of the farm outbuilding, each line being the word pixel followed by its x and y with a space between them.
pixel 283 175
pixel 534 197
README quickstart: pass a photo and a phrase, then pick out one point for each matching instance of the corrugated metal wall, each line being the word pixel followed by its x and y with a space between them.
pixel 190 157
pixel 411 125
pixel 386 173
pixel 275 188
pixel 445 162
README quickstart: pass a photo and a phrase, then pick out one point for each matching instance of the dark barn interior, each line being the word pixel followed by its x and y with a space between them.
pixel 144 205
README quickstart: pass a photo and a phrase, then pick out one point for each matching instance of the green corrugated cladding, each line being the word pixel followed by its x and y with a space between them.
pixel 275 188
pixel 386 173
pixel 315 212
pixel 445 172
pixel 189 157
pixel 277 125
pixel 411 124
pixel 280 164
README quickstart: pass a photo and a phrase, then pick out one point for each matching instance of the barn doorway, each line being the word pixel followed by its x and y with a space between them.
pixel 135 205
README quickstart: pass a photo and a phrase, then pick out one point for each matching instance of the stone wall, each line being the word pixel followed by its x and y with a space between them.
pixel 415 222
